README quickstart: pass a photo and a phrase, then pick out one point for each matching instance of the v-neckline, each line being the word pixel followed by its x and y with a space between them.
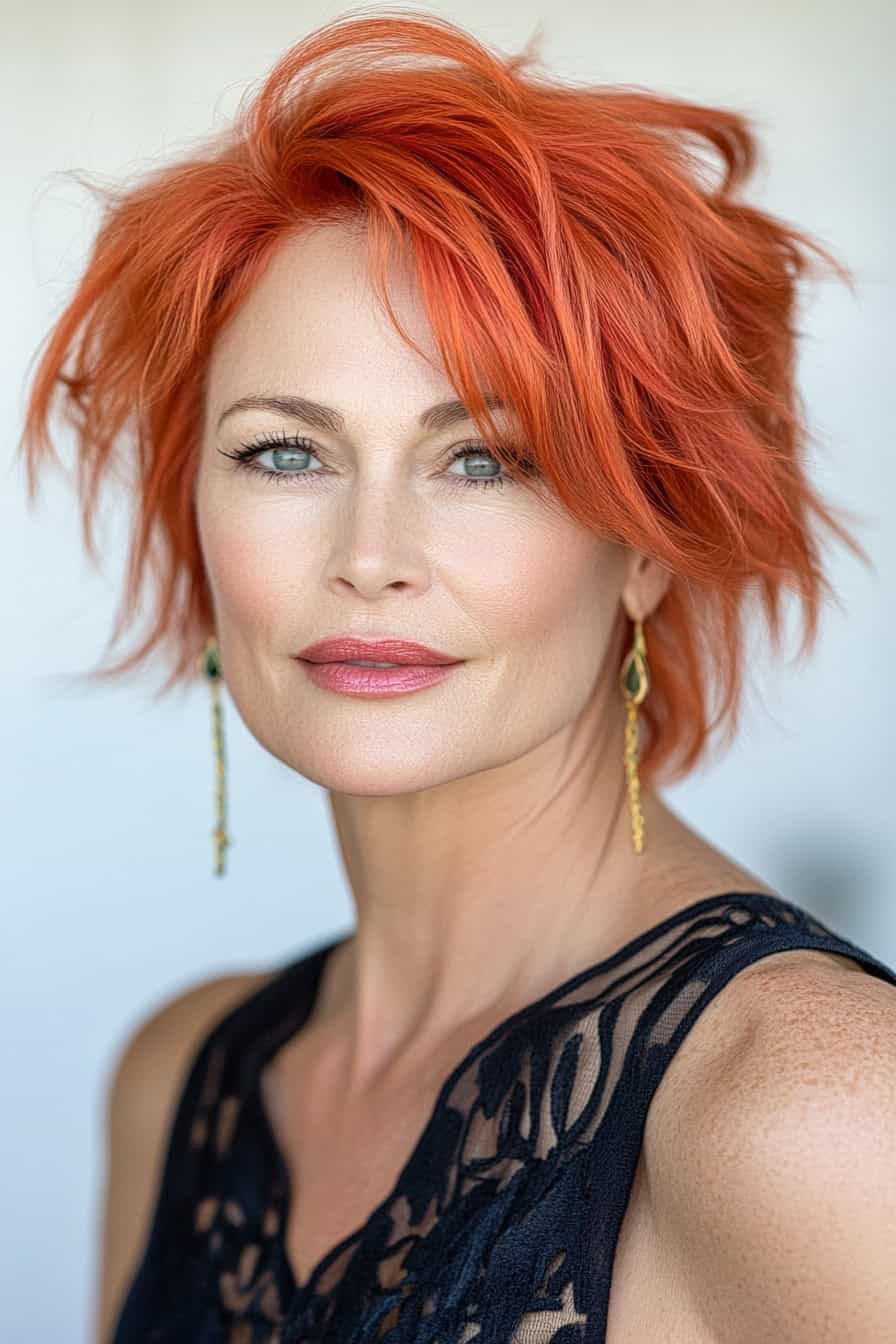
pixel 312 965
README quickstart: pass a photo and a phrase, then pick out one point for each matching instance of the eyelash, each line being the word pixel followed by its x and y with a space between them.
pixel 245 454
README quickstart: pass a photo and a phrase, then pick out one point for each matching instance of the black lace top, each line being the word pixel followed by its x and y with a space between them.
pixel 503 1223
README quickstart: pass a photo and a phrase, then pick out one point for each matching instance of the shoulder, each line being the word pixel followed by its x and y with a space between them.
pixel 772 1157
pixel 168 1034
pixel 152 1061
pixel 140 1099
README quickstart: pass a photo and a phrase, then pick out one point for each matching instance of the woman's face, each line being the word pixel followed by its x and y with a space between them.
pixel 373 530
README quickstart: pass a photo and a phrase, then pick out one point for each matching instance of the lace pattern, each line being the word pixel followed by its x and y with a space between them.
pixel 502 1225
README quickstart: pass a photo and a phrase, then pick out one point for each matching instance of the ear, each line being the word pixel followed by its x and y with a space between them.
pixel 645 586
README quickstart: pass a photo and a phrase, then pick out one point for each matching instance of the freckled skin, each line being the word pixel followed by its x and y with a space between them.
pixel 480 818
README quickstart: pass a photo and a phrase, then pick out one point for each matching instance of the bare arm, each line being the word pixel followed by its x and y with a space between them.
pixel 140 1103
pixel 777 1177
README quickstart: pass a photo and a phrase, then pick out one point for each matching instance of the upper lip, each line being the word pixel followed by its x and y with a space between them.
pixel 343 648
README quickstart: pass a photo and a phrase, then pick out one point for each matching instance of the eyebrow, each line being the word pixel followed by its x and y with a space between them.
pixel 325 417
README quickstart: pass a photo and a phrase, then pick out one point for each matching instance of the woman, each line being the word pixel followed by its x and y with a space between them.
pixel 445 354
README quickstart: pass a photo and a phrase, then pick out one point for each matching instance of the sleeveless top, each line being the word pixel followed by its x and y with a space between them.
pixel 502 1225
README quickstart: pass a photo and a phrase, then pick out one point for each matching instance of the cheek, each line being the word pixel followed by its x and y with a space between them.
pixel 253 563
pixel 554 589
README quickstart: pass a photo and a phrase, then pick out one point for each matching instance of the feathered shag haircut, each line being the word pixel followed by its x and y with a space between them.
pixel 578 253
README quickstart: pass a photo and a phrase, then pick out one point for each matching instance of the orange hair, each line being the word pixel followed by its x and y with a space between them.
pixel 574 255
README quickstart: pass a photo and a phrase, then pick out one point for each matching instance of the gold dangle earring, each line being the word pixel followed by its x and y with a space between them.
pixel 634 681
pixel 209 663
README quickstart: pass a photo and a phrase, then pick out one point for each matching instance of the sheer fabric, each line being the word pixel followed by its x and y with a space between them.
pixel 502 1225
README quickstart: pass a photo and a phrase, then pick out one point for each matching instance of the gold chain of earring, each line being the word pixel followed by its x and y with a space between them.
pixel 209 663
pixel 635 684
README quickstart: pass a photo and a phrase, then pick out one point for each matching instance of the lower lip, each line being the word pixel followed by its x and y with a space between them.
pixel 351 680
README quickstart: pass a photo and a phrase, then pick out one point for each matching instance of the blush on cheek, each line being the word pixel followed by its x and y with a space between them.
pixel 248 588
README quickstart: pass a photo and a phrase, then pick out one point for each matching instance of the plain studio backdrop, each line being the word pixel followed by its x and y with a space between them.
pixel 109 902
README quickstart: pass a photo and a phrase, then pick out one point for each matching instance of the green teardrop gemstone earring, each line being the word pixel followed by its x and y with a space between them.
pixel 635 685
pixel 209 664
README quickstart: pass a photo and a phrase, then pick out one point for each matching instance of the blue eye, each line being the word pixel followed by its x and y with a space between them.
pixel 471 450
pixel 291 444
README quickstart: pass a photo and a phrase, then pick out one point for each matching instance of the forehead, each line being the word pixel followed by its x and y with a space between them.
pixel 313 325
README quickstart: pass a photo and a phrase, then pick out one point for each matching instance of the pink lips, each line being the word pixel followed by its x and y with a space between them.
pixel 326 663
pixel 351 680
pixel 342 648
